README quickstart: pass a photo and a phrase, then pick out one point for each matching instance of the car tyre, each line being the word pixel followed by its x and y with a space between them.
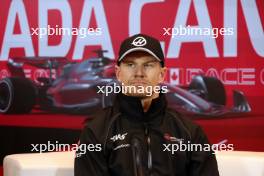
pixel 17 95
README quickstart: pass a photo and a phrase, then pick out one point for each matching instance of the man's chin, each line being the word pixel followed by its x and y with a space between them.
pixel 139 95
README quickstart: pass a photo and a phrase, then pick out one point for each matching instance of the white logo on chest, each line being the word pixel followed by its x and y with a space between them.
pixel 120 137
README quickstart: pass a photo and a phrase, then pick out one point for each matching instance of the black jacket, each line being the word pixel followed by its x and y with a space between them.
pixel 129 142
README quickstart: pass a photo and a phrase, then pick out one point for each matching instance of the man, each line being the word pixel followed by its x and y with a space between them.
pixel 138 134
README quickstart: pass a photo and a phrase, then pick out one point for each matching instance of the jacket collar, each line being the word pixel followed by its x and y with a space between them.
pixel 131 108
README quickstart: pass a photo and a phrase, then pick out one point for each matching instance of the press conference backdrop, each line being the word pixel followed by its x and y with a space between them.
pixel 221 38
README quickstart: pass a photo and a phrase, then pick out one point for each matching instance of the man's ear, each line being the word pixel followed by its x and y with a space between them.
pixel 163 73
pixel 117 72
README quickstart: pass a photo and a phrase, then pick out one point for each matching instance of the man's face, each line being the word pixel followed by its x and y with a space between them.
pixel 140 70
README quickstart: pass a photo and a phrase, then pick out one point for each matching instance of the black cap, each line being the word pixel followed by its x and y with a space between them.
pixel 141 42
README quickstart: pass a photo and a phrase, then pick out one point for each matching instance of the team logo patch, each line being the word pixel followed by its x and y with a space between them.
pixel 120 137
pixel 170 138
pixel 139 41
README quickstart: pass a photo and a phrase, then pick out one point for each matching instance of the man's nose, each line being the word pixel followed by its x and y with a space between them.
pixel 139 71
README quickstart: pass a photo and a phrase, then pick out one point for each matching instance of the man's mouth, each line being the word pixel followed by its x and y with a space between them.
pixel 138 83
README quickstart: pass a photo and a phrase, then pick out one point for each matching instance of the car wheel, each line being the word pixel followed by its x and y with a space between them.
pixel 209 88
pixel 17 95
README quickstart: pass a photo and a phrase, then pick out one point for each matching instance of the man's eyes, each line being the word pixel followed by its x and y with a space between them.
pixel 130 64
pixel 147 65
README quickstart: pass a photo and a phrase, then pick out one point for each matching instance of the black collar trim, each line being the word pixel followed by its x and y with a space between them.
pixel 131 107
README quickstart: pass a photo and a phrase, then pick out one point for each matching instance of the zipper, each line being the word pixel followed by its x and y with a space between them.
pixel 137 156
pixel 148 140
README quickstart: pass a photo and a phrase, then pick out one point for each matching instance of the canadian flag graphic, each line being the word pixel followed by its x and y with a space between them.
pixel 174 76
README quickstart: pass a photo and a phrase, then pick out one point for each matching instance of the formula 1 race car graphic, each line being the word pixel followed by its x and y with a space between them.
pixel 75 90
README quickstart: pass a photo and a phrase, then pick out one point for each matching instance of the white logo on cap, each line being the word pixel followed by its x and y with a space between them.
pixel 139 41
